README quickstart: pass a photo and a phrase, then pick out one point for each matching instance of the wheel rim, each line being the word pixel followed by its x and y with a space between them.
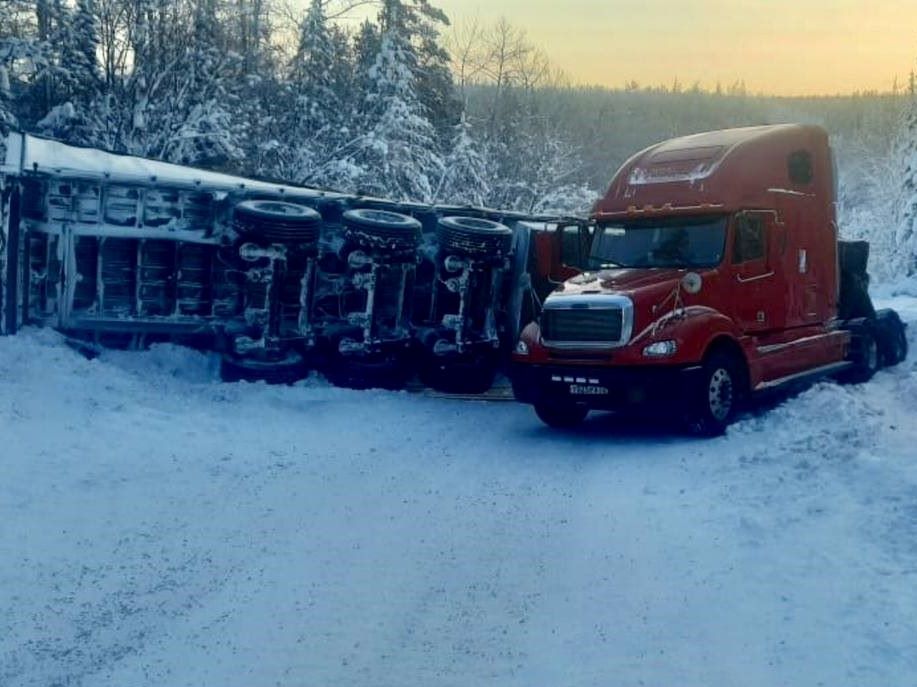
pixel 719 394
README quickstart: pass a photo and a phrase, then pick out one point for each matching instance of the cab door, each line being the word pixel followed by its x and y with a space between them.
pixel 755 305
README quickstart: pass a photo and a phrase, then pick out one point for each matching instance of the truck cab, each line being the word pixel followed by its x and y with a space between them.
pixel 712 274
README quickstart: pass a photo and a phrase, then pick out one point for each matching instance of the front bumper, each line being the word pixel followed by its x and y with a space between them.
pixel 631 386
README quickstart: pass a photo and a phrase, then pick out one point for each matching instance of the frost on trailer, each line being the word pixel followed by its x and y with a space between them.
pixel 115 249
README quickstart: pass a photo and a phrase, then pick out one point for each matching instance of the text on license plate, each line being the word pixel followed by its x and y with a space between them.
pixel 588 390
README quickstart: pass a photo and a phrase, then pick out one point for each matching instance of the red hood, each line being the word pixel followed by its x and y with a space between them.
pixel 648 289
pixel 623 280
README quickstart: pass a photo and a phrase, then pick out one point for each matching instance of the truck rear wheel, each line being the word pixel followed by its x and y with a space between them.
pixel 864 355
pixel 891 336
pixel 714 398
pixel 561 416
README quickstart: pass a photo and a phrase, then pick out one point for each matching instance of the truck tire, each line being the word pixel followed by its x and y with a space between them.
pixel 865 356
pixel 714 398
pixel 561 416
pixel 891 335
pixel 382 231
pixel 288 369
pixel 896 352
pixel 271 221
pixel 474 237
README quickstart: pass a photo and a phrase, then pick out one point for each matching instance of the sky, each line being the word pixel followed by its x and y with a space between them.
pixel 784 47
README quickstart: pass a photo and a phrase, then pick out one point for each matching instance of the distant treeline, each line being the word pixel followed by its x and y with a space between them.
pixel 403 106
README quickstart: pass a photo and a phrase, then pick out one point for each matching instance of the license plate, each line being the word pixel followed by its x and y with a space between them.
pixel 588 390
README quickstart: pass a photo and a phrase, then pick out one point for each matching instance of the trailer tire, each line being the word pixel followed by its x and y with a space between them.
pixel 561 416
pixel 287 370
pixel 382 231
pixel 713 399
pixel 459 376
pixel 381 371
pixel 271 221
pixel 474 237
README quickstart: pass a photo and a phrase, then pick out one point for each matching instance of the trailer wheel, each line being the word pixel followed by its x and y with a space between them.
pixel 271 221
pixel 381 371
pixel 288 369
pixel 460 376
pixel 474 237
pixel 381 230
pixel 864 355
pixel 561 416
pixel 714 399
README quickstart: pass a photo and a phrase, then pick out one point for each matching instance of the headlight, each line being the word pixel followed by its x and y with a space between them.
pixel 661 349
pixel 522 348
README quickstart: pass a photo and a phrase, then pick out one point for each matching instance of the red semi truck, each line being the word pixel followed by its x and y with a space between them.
pixel 715 272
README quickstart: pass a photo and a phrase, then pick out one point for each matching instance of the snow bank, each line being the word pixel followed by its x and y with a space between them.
pixel 163 528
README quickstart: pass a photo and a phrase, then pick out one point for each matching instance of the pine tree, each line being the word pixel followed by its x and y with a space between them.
pixel 399 154
pixel 187 109
pixel 74 115
pixel 319 77
pixel 464 179
pixel 905 240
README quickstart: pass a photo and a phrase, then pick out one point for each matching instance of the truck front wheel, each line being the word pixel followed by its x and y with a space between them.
pixel 561 416
pixel 714 397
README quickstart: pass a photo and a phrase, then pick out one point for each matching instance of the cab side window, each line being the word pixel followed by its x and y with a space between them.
pixel 570 246
pixel 799 166
pixel 574 246
pixel 749 239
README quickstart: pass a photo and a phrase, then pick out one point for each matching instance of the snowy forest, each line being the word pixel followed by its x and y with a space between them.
pixel 404 104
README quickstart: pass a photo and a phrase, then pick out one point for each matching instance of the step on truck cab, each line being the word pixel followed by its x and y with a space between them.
pixel 715 272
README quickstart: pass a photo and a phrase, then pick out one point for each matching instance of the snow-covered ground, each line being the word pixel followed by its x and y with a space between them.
pixel 161 528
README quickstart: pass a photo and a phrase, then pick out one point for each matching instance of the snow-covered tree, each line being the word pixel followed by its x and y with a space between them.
pixel 186 107
pixel 74 73
pixel 399 154
pixel 464 179
pixel 906 219
pixel 318 108
pixel 22 56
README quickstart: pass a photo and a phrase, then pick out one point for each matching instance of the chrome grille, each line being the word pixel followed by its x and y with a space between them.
pixel 582 325
pixel 587 321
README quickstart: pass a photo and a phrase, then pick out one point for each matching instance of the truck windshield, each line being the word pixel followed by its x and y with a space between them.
pixel 670 242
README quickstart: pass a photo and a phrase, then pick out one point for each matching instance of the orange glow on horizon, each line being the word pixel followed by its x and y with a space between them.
pixel 781 47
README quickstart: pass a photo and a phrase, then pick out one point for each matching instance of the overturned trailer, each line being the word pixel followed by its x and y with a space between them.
pixel 120 250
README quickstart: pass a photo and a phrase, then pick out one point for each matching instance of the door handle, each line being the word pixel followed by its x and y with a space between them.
pixel 745 280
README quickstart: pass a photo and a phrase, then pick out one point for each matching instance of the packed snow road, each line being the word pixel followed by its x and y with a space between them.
pixel 160 528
